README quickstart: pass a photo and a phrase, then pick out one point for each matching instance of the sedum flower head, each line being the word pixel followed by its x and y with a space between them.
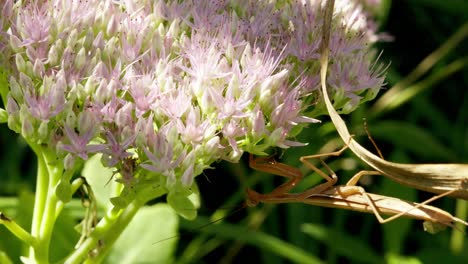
pixel 162 89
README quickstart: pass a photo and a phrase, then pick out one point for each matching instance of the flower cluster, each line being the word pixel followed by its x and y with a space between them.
pixel 162 89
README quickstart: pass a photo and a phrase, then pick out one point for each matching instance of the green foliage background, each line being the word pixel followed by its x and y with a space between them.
pixel 430 126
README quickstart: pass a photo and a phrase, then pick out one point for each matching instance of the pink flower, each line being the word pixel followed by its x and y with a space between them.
pixel 163 89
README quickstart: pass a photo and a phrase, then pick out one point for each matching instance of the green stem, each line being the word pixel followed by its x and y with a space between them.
pixel 41 190
pixel 119 226
pixel 458 235
pixel 17 230
pixel 74 187
pixel 55 171
pixel 105 225
pixel 40 196
pixel 109 229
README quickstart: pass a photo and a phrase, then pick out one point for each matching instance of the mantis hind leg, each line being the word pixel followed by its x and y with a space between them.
pixel 359 190
pixel 270 165
pixel 331 179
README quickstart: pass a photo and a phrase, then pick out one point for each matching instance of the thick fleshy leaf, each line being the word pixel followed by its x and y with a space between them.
pixel 185 206
pixel 64 191
pixel 64 236
pixel 100 179
pixel 151 237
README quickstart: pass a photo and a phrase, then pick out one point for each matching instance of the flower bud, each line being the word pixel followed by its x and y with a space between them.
pixel 43 131
pixel 20 63
pixel 53 56
pixel 38 68
pixel 87 121
pixel 88 40
pixel 80 59
pixel 111 26
pixel 72 39
pixel 69 161
pixel 15 90
pixel 15 43
pixel 110 48
pixel 187 177
pixel 90 85
pixel 27 129
pixel 98 41
pixel 67 58
pixel 212 145
pixel 258 128
pixel 14 122
pixel 102 92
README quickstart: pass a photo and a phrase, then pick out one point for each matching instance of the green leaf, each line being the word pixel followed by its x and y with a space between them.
pixel 64 236
pixel 10 245
pixel 395 232
pixel 149 238
pixel 408 136
pixel 99 178
pixel 343 243
pixel 398 259
pixel 185 206
pixel 254 238
pixel 3 116
pixel 4 258
pixel 4 86
pixel 439 253
pixel 122 201
pixel 20 210
pixel 64 191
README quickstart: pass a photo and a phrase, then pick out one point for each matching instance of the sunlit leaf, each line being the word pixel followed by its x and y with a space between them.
pixel 100 179
pixel 149 238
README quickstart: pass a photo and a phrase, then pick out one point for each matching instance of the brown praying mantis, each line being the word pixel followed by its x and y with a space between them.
pixel 442 179
pixel 447 179
pixel 349 196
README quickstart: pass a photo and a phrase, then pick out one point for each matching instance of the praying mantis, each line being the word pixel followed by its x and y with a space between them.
pixel 442 179
pixel 347 196
pixel 448 179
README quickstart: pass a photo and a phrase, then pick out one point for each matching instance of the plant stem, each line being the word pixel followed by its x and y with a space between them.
pixel 109 229
pixel 54 173
pixel 458 235
pixel 40 196
pixel 74 187
pixel 17 230
pixel 118 227
pixel 106 224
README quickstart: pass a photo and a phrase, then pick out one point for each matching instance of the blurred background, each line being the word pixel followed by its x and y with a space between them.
pixel 424 122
